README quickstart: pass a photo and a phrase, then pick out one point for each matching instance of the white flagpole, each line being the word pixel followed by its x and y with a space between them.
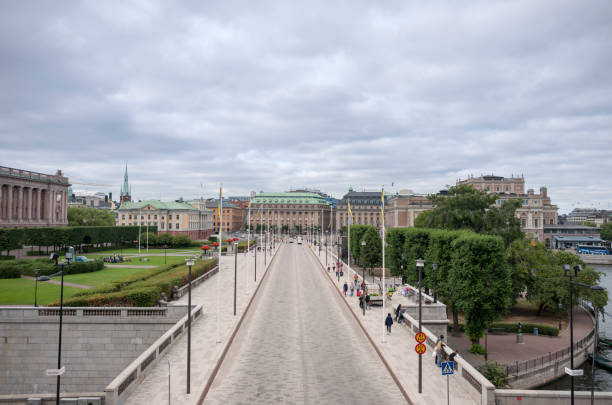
pixel 139 229
pixel 248 244
pixel 349 239
pixel 384 292
pixel 220 249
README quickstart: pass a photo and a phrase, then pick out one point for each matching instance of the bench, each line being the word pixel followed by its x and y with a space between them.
pixel 498 331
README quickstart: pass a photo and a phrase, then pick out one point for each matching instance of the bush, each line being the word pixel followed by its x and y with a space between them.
pixel 181 241
pixel 7 257
pixel 527 328
pixel 47 267
pixel 36 253
pixel 477 349
pixel 494 373
pixel 9 273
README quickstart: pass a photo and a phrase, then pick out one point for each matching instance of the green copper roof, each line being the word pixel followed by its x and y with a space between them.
pixel 157 205
pixel 289 198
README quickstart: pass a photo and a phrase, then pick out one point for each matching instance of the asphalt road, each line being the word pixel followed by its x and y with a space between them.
pixel 299 344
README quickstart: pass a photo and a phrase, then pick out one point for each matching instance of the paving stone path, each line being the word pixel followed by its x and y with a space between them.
pixel 301 345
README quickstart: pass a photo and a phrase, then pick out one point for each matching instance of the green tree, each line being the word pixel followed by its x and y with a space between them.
pixel 606 231
pixel 87 216
pixel 357 232
pixel 371 252
pixel 481 277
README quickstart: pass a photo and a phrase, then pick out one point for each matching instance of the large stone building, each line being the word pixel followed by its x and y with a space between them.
pixel 175 218
pixel 580 215
pixel 402 209
pixel 290 211
pixel 30 199
pixel 536 209
pixel 233 215
pixel 365 206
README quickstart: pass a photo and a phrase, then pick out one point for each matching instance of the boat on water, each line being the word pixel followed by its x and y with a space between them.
pixel 607 342
pixel 602 362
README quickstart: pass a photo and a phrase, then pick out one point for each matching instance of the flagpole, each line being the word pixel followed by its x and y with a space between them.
pixel 139 229
pixel 220 249
pixel 384 292
pixel 248 242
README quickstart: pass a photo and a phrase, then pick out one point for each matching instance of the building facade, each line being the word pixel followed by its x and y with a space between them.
pixel 401 210
pixel 536 210
pixel 175 218
pixel 90 199
pixel 365 206
pixel 233 215
pixel 579 215
pixel 293 211
pixel 568 230
pixel 30 199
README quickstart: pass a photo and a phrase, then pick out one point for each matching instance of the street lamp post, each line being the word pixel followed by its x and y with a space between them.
pixel 420 263
pixel 189 264
pixel 363 244
pixel 165 248
pixel 235 272
pixel 69 258
pixel 568 273
pixel 435 269
pixel 36 272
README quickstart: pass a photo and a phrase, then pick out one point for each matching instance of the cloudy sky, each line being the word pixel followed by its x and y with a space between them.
pixel 278 95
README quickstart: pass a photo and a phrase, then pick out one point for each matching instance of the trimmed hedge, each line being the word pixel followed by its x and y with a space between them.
pixel 527 328
pixel 9 272
pixel 46 267
pixel 142 290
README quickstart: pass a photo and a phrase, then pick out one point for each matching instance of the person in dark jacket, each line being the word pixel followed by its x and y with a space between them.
pixel 397 311
pixel 345 288
pixel 388 323
pixel 361 301
pixel 367 300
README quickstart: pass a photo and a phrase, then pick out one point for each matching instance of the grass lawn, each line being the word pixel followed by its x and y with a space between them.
pixel 20 291
pixel 144 251
pixel 152 260
pixel 100 277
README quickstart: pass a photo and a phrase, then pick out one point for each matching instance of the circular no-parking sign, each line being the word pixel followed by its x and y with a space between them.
pixel 420 348
pixel 420 337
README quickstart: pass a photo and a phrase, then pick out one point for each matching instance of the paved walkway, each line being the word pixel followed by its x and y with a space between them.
pixel 123 266
pixel 58 282
pixel 398 351
pixel 205 350
pixel 301 345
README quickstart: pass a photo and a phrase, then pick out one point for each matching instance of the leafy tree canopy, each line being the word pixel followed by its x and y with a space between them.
pixel 86 216
pixel 371 252
pixel 606 231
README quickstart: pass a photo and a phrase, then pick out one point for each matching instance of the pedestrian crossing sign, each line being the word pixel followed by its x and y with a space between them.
pixel 448 368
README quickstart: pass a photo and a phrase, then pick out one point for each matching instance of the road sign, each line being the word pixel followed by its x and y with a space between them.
pixel 574 373
pixel 420 337
pixel 52 372
pixel 448 368
pixel 420 348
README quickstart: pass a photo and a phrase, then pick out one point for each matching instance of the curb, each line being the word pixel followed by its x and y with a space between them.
pixel 380 355
pixel 213 375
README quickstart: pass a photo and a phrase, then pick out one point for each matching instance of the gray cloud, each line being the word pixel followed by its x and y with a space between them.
pixel 274 95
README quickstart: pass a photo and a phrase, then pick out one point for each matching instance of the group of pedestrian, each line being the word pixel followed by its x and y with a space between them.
pixel 399 313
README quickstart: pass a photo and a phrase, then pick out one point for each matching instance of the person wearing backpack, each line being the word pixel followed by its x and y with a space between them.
pixel 388 323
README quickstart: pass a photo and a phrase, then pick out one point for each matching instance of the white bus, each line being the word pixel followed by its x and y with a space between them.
pixel 299 240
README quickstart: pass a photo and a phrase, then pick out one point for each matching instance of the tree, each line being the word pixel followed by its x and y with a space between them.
pixel 86 216
pixel 606 231
pixel 481 277
pixel 371 252
pixel 469 208
pixel 357 232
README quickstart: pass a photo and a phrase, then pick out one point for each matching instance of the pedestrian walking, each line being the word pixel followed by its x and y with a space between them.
pixel 388 323
pixel 438 349
pixel 367 300
pixel 356 278
pixel 400 316
pixel 352 289
pixel 345 288
pixel 328 269
pixel 397 311
pixel 360 301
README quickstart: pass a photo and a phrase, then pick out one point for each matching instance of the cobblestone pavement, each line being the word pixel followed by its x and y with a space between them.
pixel 399 353
pixel 299 344
pixel 205 351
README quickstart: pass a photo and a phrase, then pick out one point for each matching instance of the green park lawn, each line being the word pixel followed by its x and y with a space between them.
pixel 20 291
pixel 144 251
pixel 151 260
pixel 100 277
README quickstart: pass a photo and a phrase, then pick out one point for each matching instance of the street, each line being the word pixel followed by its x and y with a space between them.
pixel 299 344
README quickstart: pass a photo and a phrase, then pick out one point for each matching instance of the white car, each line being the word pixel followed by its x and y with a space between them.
pixel 290 240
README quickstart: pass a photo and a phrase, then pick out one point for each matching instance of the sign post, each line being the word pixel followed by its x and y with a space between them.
pixel 448 368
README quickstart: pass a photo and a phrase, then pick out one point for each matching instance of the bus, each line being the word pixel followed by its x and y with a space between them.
pixel 592 250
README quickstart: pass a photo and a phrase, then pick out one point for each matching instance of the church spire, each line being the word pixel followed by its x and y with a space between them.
pixel 126 190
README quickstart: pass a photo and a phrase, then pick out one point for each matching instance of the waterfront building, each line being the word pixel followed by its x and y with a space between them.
pixel 290 211
pixel 569 230
pixel 175 218
pixel 30 199
pixel 402 209
pixel 365 206
pixel 233 215
pixel 536 210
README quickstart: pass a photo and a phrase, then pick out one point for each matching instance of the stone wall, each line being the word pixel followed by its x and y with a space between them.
pixel 97 344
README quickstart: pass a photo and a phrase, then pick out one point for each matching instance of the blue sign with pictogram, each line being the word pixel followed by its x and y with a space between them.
pixel 448 368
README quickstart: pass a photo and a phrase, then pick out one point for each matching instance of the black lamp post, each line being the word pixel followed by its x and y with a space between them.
pixel 339 259
pixel 363 244
pixel 420 263
pixel 36 272
pixel 435 269
pixel 255 255
pixel 69 257
pixel 189 264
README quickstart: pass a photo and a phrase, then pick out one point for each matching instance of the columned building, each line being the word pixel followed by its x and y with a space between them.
pixel 536 210
pixel 175 218
pixel 401 210
pixel 365 206
pixel 291 211
pixel 30 199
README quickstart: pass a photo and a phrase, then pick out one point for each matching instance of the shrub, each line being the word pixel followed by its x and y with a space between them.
pixel 477 349
pixel 494 373
pixel 36 253
pixel 9 273
pixel 47 267
pixel 7 257
pixel 527 328
pixel 181 241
